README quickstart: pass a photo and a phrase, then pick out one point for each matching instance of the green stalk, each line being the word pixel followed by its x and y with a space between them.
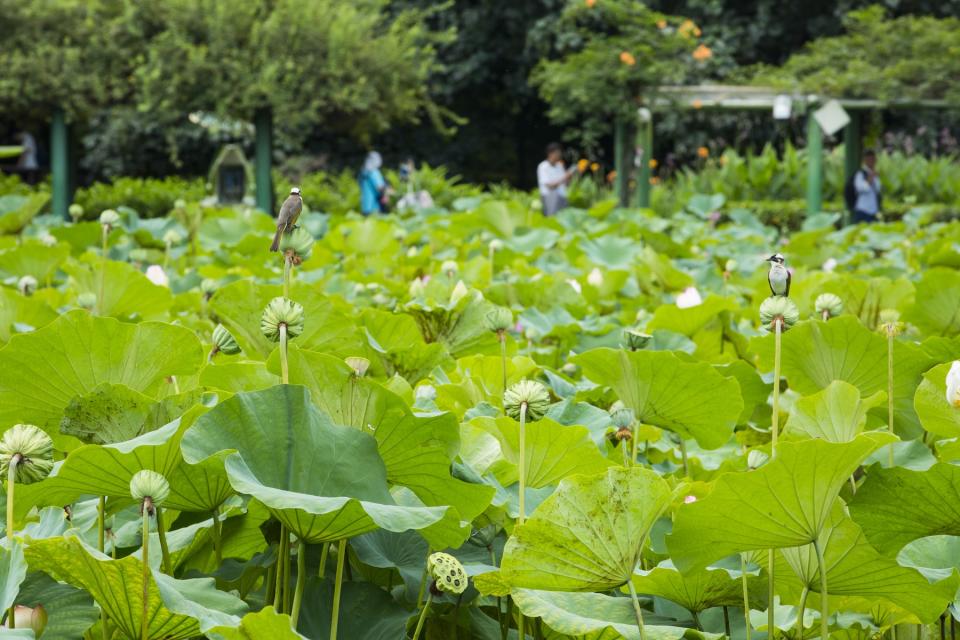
pixel 683 457
pixel 824 607
pixel 635 440
pixel 626 456
pixel 166 257
pixel 287 572
pixel 301 581
pixel 523 490
pixel 286 276
pixel 103 269
pixel 11 482
pixel 281 550
pixel 803 606
pixel 775 419
pixel 423 617
pixel 503 357
pixel 271 583
pixel 144 623
pixel 770 585
pixel 284 369
pixel 726 621
pixel 638 612
pixel 101 523
pixel 325 551
pixel 335 615
pixel 423 581
pixel 493 562
pixel 890 388
pixel 217 537
pixel 746 594
pixel 165 552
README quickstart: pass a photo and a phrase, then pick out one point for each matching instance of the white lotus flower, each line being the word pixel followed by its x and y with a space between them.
pixel 575 285
pixel 829 265
pixel 689 298
pixel 595 279
pixel 459 292
pixel 953 385
pixel 157 275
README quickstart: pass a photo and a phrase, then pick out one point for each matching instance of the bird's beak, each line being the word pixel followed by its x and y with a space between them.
pixel 771 259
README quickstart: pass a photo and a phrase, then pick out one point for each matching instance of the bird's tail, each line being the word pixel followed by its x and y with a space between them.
pixel 276 240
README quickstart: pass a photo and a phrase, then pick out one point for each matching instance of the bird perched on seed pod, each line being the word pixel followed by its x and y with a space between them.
pixel 779 276
pixel 287 219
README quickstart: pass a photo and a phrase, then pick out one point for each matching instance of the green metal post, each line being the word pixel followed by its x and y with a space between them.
pixel 60 164
pixel 814 166
pixel 263 155
pixel 645 144
pixel 620 164
pixel 852 152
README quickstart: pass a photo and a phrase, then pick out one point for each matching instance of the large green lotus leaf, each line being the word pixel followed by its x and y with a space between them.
pixel 692 319
pixel 612 251
pixel 115 413
pixel 16 212
pixel 71 611
pixel 34 259
pixel 854 568
pixel 595 616
pixel 936 557
pixel 13 569
pixel 690 398
pixel 836 414
pixel 367 612
pixel 479 379
pixel 786 502
pixel 753 389
pixel 552 451
pixel 406 552
pixel 117 586
pixel 588 535
pixel 127 293
pixel 930 402
pixel 694 591
pixel 263 624
pixel 896 506
pixel 41 372
pixel 937 307
pixel 16 309
pixel 396 337
pixel 237 376
pixel 417 450
pixel 323 481
pixel 198 487
pixel 82 236
pixel 461 327
pixel 816 353
pixel 327 325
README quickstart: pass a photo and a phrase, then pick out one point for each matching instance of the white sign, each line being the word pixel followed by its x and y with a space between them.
pixel 831 117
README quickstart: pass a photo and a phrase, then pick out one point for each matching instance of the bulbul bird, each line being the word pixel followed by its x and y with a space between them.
pixel 778 277
pixel 287 219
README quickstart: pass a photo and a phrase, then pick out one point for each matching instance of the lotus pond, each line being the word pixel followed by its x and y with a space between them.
pixel 479 423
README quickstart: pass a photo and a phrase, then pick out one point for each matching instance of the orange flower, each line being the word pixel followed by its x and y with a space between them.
pixel 653 163
pixel 703 152
pixel 654 180
pixel 595 167
pixel 723 161
pixel 611 176
pixel 661 24
pixel 590 3
pixel 627 58
pixel 688 28
pixel 702 53
pixel 697 104
pixel 582 165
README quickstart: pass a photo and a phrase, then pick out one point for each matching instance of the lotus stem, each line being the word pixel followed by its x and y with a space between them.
pixel 337 585
pixel 493 562
pixel 636 609
pixel 726 621
pixel 101 523
pixel 284 369
pixel 746 594
pixel 11 482
pixel 301 581
pixel 166 256
pixel 217 535
pixel 775 418
pixel 503 357
pixel 281 550
pixel 165 552
pixel 103 267
pixel 803 606
pixel 770 587
pixel 324 552
pixel 144 622
pixel 522 466
pixel 853 485
pixel 824 606
pixel 287 268
pixel 271 583
pixel 287 595
pixel 423 617
pixel 890 390
pixel 683 457
pixel 176 385
pixel 626 456
pixel 635 440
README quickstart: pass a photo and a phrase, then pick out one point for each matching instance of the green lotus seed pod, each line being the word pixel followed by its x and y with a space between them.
pixel 224 342
pixel 87 300
pixel 779 307
pixel 890 324
pixel 75 211
pixel 635 340
pixel 448 574
pixel 449 267
pixel 730 266
pixel 358 364
pixel 179 203
pixel 171 237
pixel 282 311
pixel 33 450
pixel 828 305
pixel 622 417
pixel 208 286
pixel 530 393
pixel 299 243
pixel 109 218
pixel 149 484
pixel 499 319
pixel 27 285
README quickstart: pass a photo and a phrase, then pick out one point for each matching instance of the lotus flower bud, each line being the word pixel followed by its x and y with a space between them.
pixel 417 288
pixel 689 298
pixel 730 266
pixel 459 293
pixel 75 211
pixel 449 267
pixel 224 342
pixel 635 340
pixel 530 393
pixel 298 245
pixel 890 324
pixel 448 574
pixel 358 364
pixel 149 486
pixel 756 459
pixel 87 300
pixel 208 286
pixel 499 319
pixel 31 448
pixel 47 240
pixel 780 307
pixel 171 237
pixel 953 385
pixel 179 203
pixel 109 218
pixel 34 618
pixel 156 274
pixel 595 278
pixel 828 305
pixel 282 311
pixel 27 285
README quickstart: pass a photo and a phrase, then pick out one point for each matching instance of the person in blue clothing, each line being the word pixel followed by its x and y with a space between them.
pixel 374 190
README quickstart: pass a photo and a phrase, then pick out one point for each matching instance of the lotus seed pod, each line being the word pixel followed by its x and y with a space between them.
pixel 208 286
pixel 828 305
pixel 636 340
pixel 756 459
pixel 47 240
pixel 779 307
pixel 33 618
pixel 499 319
pixel 730 266
pixel 298 243
pixel 447 572
pixel 224 342
pixel 449 267
pixel 426 393
pixel 149 484
pixel 622 417
pixel 87 300
pixel 890 323
pixel 282 311
pixel 33 449
pixel 496 244
pixel 358 364
pixel 179 203
pixel 27 285
pixel 530 393
pixel 953 385
pixel 109 218
pixel 171 237
pixel 75 211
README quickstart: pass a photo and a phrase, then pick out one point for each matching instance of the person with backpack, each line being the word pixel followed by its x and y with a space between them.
pixel 375 192
pixel 862 191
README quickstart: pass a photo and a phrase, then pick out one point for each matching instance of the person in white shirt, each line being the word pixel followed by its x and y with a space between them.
pixel 867 185
pixel 552 178
pixel 27 162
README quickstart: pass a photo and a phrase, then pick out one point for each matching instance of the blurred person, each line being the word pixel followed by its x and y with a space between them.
pixel 862 192
pixel 374 190
pixel 27 164
pixel 552 178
